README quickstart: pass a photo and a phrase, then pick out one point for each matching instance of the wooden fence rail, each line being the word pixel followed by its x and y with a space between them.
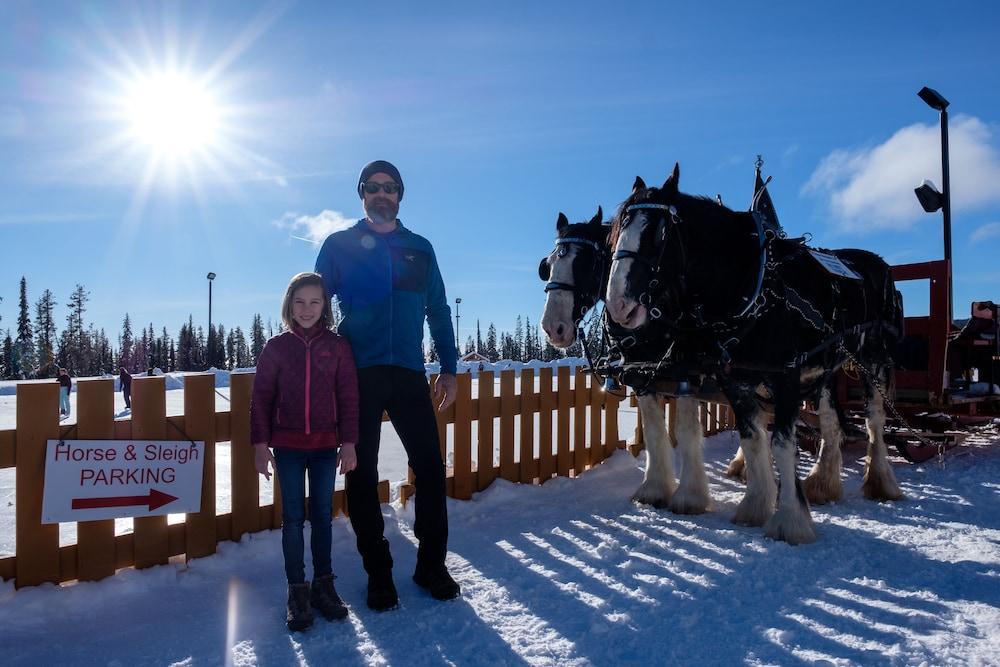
pixel 564 423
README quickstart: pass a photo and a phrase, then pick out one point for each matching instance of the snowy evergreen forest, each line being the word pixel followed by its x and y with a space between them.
pixel 36 347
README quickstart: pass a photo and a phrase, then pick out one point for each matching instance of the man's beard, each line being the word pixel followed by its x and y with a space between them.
pixel 382 211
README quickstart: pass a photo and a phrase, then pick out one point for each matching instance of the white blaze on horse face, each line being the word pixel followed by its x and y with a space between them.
pixel 624 309
pixel 557 318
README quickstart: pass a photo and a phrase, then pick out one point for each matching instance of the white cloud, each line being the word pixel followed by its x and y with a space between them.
pixel 987 231
pixel 872 188
pixel 314 228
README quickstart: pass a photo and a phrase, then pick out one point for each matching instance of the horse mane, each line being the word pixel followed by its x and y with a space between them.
pixel 700 205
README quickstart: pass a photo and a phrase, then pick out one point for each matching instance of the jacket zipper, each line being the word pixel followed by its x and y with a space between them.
pixel 391 300
pixel 308 344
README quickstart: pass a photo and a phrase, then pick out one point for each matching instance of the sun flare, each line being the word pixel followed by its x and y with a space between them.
pixel 173 115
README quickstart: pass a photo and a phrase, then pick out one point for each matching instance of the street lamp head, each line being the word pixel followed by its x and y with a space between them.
pixel 458 299
pixel 211 276
pixel 933 98
pixel 929 197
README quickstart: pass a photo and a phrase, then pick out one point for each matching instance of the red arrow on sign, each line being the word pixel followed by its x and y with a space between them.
pixel 154 500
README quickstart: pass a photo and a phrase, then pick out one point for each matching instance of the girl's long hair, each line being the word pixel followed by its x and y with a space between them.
pixel 304 280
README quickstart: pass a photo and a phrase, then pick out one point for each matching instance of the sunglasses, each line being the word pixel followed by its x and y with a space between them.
pixel 390 188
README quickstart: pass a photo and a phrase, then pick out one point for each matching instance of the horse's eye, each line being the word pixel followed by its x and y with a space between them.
pixel 562 251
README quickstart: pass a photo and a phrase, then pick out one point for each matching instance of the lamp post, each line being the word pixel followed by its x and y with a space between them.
pixel 211 333
pixel 458 346
pixel 930 199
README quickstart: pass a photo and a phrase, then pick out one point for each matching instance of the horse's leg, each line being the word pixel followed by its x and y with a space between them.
pixel 823 482
pixel 758 502
pixel 737 467
pixel 691 496
pixel 792 521
pixel 879 480
pixel 658 485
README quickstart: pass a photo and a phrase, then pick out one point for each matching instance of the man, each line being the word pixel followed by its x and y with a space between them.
pixel 388 282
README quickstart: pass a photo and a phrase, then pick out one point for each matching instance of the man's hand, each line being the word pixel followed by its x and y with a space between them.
pixel 445 388
pixel 261 457
pixel 348 457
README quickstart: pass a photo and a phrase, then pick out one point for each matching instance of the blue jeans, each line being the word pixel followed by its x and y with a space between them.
pixel 63 401
pixel 292 465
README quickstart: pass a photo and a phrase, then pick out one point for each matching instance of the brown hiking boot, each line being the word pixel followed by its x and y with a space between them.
pixel 300 615
pixel 323 596
pixel 438 582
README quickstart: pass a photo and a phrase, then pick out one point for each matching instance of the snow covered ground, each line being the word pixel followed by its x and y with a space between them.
pixel 572 573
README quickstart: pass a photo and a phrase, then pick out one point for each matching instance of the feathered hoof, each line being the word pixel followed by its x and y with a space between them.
pixel 753 511
pixel 820 491
pixel 653 494
pixel 737 469
pixel 880 485
pixel 792 526
pixel 686 502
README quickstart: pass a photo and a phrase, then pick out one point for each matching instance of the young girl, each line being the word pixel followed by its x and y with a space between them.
pixel 305 405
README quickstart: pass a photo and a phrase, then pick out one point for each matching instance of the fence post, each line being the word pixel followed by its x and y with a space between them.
pixel 611 437
pixel 37 544
pixel 546 401
pixel 245 492
pixel 529 467
pixel 595 447
pixel 462 458
pixel 508 406
pixel 580 397
pixel 199 423
pixel 485 470
pixel 95 407
pixel 564 460
pixel 149 421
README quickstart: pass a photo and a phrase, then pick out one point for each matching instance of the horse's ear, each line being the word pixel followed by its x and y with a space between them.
pixel 599 218
pixel 670 185
pixel 638 185
pixel 562 222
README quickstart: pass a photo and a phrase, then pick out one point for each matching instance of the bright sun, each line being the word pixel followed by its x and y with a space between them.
pixel 173 115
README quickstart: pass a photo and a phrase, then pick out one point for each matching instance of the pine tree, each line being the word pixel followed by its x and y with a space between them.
pixel 257 339
pixel 550 353
pixel 7 357
pixel 219 353
pixel 126 345
pixel 530 352
pixel 200 352
pixel 432 353
pixel 491 343
pixel 470 345
pixel 242 352
pixel 231 349
pixel 479 338
pixel 77 346
pixel 24 345
pixel 518 341
pixel 46 336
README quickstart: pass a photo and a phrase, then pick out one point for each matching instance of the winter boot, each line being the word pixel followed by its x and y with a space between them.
pixel 382 594
pixel 323 596
pixel 438 582
pixel 300 615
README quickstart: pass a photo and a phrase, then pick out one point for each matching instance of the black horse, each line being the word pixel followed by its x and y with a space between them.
pixel 772 321
pixel 575 275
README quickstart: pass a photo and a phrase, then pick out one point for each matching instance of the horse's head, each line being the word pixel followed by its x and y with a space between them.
pixel 639 239
pixel 574 273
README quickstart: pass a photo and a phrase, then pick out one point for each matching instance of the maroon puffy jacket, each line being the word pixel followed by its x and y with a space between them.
pixel 305 394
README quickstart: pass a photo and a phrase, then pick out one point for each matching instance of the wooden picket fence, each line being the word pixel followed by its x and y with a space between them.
pixel 577 428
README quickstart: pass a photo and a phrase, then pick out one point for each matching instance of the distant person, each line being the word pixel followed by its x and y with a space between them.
pixel 388 282
pixel 125 380
pixel 305 406
pixel 65 384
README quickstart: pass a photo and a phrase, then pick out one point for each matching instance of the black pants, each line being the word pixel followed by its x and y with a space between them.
pixel 404 394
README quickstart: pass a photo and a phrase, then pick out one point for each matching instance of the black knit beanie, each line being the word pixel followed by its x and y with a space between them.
pixel 379 166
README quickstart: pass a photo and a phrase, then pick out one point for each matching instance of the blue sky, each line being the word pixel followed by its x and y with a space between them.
pixel 499 116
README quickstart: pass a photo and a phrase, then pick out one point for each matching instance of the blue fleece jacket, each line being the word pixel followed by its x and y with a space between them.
pixel 387 284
